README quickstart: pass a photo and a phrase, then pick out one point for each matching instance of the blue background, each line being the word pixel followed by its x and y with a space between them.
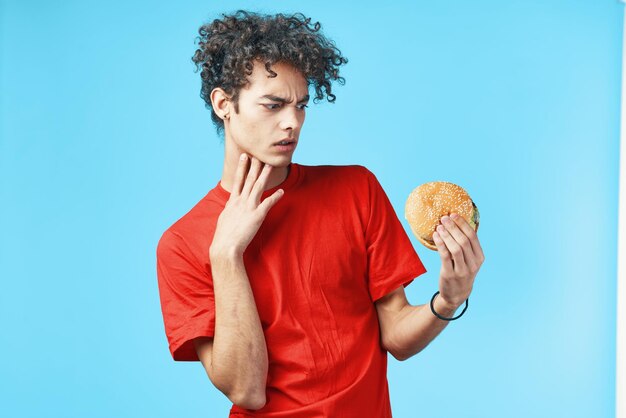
pixel 105 143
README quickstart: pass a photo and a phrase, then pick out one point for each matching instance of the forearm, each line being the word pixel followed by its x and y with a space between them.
pixel 416 327
pixel 240 361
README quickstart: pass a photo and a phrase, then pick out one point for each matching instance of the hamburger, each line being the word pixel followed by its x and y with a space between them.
pixel 428 202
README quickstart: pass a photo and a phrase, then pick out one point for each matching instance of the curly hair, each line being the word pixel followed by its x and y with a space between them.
pixel 228 47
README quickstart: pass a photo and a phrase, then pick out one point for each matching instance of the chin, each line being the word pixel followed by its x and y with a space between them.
pixel 279 161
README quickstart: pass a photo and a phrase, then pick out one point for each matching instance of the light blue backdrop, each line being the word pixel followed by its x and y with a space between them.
pixel 105 143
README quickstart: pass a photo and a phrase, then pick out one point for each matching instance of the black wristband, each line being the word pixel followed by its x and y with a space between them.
pixel 432 308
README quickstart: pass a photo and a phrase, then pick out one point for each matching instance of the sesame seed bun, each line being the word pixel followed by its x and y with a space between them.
pixel 429 202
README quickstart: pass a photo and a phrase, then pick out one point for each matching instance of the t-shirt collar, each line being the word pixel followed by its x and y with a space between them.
pixel 294 172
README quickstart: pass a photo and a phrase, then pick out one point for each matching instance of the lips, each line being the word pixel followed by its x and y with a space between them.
pixel 286 141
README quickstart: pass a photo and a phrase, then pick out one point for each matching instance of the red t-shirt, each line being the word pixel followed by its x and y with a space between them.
pixel 328 249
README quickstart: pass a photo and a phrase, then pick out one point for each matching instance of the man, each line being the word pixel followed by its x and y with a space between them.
pixel 287 281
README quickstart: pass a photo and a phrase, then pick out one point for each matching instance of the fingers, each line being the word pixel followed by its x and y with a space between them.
pixel 255 168
pixel 255 182
pixel 469 232
pixel 260 184
pixel 454 249
pixel 269 201
pixel 459 243
pixel 447 264
pixel 240 174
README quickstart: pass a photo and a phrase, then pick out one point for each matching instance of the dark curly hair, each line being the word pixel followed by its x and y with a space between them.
pixel 228 47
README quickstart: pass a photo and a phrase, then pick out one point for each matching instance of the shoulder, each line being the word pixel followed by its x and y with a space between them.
pixel 350 175
pixel 327 168
pixel 192 232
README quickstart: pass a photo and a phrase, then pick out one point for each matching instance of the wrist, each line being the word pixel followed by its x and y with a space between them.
pixel 443 307
pixel 221 253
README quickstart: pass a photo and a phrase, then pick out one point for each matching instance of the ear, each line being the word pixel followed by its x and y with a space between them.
pixel 220 102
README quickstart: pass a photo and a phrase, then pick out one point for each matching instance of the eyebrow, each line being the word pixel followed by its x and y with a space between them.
pixel 281 100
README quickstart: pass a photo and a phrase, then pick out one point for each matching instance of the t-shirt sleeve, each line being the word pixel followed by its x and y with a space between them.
pixel 186 294
pixel 391 258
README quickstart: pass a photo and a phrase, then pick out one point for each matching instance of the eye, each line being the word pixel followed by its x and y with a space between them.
pixel 269 106
pixel 303 106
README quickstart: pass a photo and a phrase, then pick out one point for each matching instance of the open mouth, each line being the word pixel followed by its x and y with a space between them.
pixel 285 143
pixel 285 146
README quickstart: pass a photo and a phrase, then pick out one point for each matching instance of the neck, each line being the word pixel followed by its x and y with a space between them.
pixel 231 162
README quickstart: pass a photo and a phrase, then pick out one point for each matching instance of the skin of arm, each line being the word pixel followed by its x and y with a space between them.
pixel 238 342
pixel 406 329
pixel 236 358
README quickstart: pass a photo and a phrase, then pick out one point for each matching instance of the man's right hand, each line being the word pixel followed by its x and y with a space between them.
pixel 243 214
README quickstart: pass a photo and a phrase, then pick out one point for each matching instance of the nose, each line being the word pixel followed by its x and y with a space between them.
pixel 291 119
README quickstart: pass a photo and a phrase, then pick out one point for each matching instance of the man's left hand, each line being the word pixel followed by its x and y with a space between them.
pixel 461 258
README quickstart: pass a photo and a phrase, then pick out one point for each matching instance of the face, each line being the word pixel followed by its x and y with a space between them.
pixel 270 110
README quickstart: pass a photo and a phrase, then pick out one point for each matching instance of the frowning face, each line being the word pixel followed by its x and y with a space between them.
pixel 271 109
